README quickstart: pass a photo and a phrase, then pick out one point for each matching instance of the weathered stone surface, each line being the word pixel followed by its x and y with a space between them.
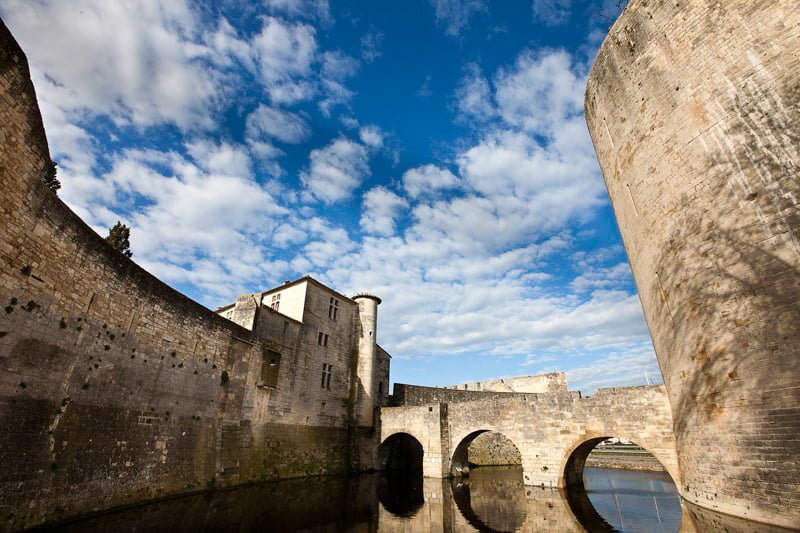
pixel 694 108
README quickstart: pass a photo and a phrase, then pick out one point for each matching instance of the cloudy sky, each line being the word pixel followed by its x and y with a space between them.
pixel 433 152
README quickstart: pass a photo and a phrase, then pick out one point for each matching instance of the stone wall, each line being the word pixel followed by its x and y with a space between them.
pixel 552 382
pixel 693 108
pixel 493 449
pixel 114 388
pixel 646 463
pixel 404 394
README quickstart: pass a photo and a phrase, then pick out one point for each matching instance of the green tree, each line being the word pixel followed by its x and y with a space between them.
pixel 50 178
pixel 119 237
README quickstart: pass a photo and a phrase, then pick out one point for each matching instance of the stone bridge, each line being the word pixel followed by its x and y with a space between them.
pixel 554 431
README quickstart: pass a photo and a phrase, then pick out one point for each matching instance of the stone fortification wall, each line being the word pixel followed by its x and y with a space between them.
pixel 553 382
pixel 693 108
pixel 646 463
pixel 404 394
pixel 115 388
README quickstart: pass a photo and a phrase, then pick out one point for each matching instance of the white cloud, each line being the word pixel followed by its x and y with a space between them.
pixel 274 123
pixel 540 92
pixel 612 277
pixel 141 62
pixel 428 179
pixel 633 365
pixel 336 170
pixel 285 53
pixel 371 136
pixel 454 15
pixel 338 66
pixel 473 95
pixel 199 222
pixel 380 211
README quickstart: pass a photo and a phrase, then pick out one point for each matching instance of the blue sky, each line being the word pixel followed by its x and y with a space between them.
pixel 433 152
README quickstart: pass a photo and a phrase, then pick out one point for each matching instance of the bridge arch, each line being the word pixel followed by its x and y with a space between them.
pixel 400 451
pixel 459 462
pixel 574 460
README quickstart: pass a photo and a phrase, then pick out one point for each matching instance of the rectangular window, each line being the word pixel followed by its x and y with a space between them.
pixel 270 365
pixel 333 309
pixel 325 340
pixel 327 370
pixel 380 387
pixel 276 301
pixel 319 338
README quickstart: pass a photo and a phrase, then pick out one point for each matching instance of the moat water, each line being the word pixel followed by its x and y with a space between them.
pixel 490 499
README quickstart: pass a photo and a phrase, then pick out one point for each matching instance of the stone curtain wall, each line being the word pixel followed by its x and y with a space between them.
pixel 405 394
pixel 114 388
pixel 694 109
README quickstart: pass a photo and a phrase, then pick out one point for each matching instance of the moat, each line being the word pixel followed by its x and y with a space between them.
pixel 490 499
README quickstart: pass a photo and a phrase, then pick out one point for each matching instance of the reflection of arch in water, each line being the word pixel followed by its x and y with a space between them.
pixel 459 464
pixel 400 451
pixel 491 499
pixel 401 492
pixel 572 481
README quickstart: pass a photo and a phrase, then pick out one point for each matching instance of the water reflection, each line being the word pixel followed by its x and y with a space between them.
pixel 621 500
pixel 491 499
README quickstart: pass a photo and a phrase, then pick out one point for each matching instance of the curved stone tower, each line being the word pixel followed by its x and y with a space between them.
pixel 365 368
pixel 694 110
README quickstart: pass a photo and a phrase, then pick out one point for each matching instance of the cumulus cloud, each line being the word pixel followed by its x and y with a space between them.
pixel 540 92
pixel 454 15
pixel 428 179
pixel 201 218
pixel 336 68
pixel 613 277
pixel 473 95
pixel 285 52
pixel 371 136
pixel 141 62
pixel 336 170
pixel 380 211
pixel 285 126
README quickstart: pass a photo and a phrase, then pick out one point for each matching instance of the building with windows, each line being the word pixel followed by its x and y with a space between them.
pixel 321 362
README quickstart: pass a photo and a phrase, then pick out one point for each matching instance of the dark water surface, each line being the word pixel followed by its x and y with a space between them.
pixel 490 499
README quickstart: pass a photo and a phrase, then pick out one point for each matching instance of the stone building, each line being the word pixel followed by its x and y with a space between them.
pixel 315 362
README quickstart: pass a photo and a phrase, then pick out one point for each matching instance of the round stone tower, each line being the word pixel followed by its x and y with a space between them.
pixel 694 110
pixel 365 369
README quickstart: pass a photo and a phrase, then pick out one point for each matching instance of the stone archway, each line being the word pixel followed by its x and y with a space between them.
pixel 599 499
pixel 400 451
pixel 574 461
pixel 460 462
